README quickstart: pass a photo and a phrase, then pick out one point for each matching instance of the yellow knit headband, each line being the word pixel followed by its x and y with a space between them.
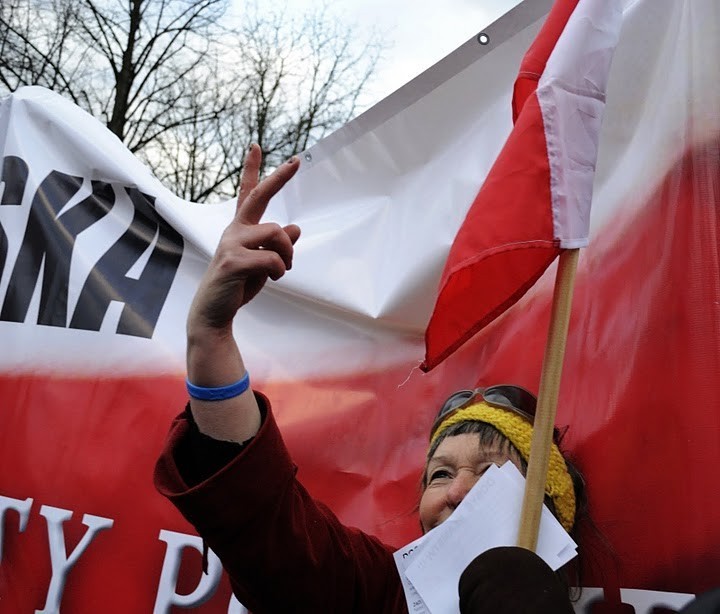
pixel 518 430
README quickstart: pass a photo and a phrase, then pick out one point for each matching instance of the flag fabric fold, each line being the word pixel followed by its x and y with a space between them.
pixel 536 198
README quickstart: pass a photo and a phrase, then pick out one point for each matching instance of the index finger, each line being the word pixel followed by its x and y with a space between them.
pixel 250 174
pixel 252 208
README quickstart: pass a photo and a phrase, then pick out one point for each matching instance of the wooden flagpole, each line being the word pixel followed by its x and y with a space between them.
pixel 547 399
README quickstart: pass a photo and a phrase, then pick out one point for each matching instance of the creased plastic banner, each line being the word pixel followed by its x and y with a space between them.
pixel 98 264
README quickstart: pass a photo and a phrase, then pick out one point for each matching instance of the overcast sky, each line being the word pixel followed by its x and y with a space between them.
pixel 418 33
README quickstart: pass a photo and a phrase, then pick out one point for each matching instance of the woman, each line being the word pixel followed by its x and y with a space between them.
pixel 227 470
pixel 478 428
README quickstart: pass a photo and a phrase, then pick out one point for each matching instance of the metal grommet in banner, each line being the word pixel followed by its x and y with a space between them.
pixel 483 38
pixel 308 157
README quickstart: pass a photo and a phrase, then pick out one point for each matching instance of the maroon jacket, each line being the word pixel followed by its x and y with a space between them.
pixel 284 551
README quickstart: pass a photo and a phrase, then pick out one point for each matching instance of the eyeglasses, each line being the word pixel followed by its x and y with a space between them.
pixel 505 396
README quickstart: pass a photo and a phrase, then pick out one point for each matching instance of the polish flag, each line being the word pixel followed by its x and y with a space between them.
pixel 536 199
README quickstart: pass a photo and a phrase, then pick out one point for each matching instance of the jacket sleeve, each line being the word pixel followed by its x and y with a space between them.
pixel 284 551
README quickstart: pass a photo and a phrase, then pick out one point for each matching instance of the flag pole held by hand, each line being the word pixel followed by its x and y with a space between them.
pixel 542 438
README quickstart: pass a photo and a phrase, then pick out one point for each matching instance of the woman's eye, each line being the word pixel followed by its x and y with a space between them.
pixel 439 474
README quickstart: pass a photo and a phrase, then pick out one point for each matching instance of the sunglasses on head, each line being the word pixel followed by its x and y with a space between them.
pixel 505 396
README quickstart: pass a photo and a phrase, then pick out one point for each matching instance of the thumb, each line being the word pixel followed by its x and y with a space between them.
pixel 292 231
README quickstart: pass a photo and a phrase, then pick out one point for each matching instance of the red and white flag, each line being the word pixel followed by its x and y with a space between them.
pixel 536 199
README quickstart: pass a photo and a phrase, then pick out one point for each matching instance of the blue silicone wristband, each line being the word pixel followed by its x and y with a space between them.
pixel 219 394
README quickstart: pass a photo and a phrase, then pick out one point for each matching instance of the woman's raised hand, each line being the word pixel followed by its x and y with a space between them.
pixel 249 252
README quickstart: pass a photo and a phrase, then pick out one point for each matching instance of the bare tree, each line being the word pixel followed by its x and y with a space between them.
pixel 294 81
pixel 181 88
pixel 35 47
pixel 123 62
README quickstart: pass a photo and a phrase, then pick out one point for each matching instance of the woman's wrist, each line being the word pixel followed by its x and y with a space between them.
pixel 218 393
pixel 200 332
pixel 214 362
pixel 213 358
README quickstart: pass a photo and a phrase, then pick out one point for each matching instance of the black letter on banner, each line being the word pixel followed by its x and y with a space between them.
pixel 52 237
pixel 14 176
pixel 143 297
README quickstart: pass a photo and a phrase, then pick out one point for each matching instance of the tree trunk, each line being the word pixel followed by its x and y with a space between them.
pixel 125 78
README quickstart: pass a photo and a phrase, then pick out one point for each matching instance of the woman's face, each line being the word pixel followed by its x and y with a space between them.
pixel 452 471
